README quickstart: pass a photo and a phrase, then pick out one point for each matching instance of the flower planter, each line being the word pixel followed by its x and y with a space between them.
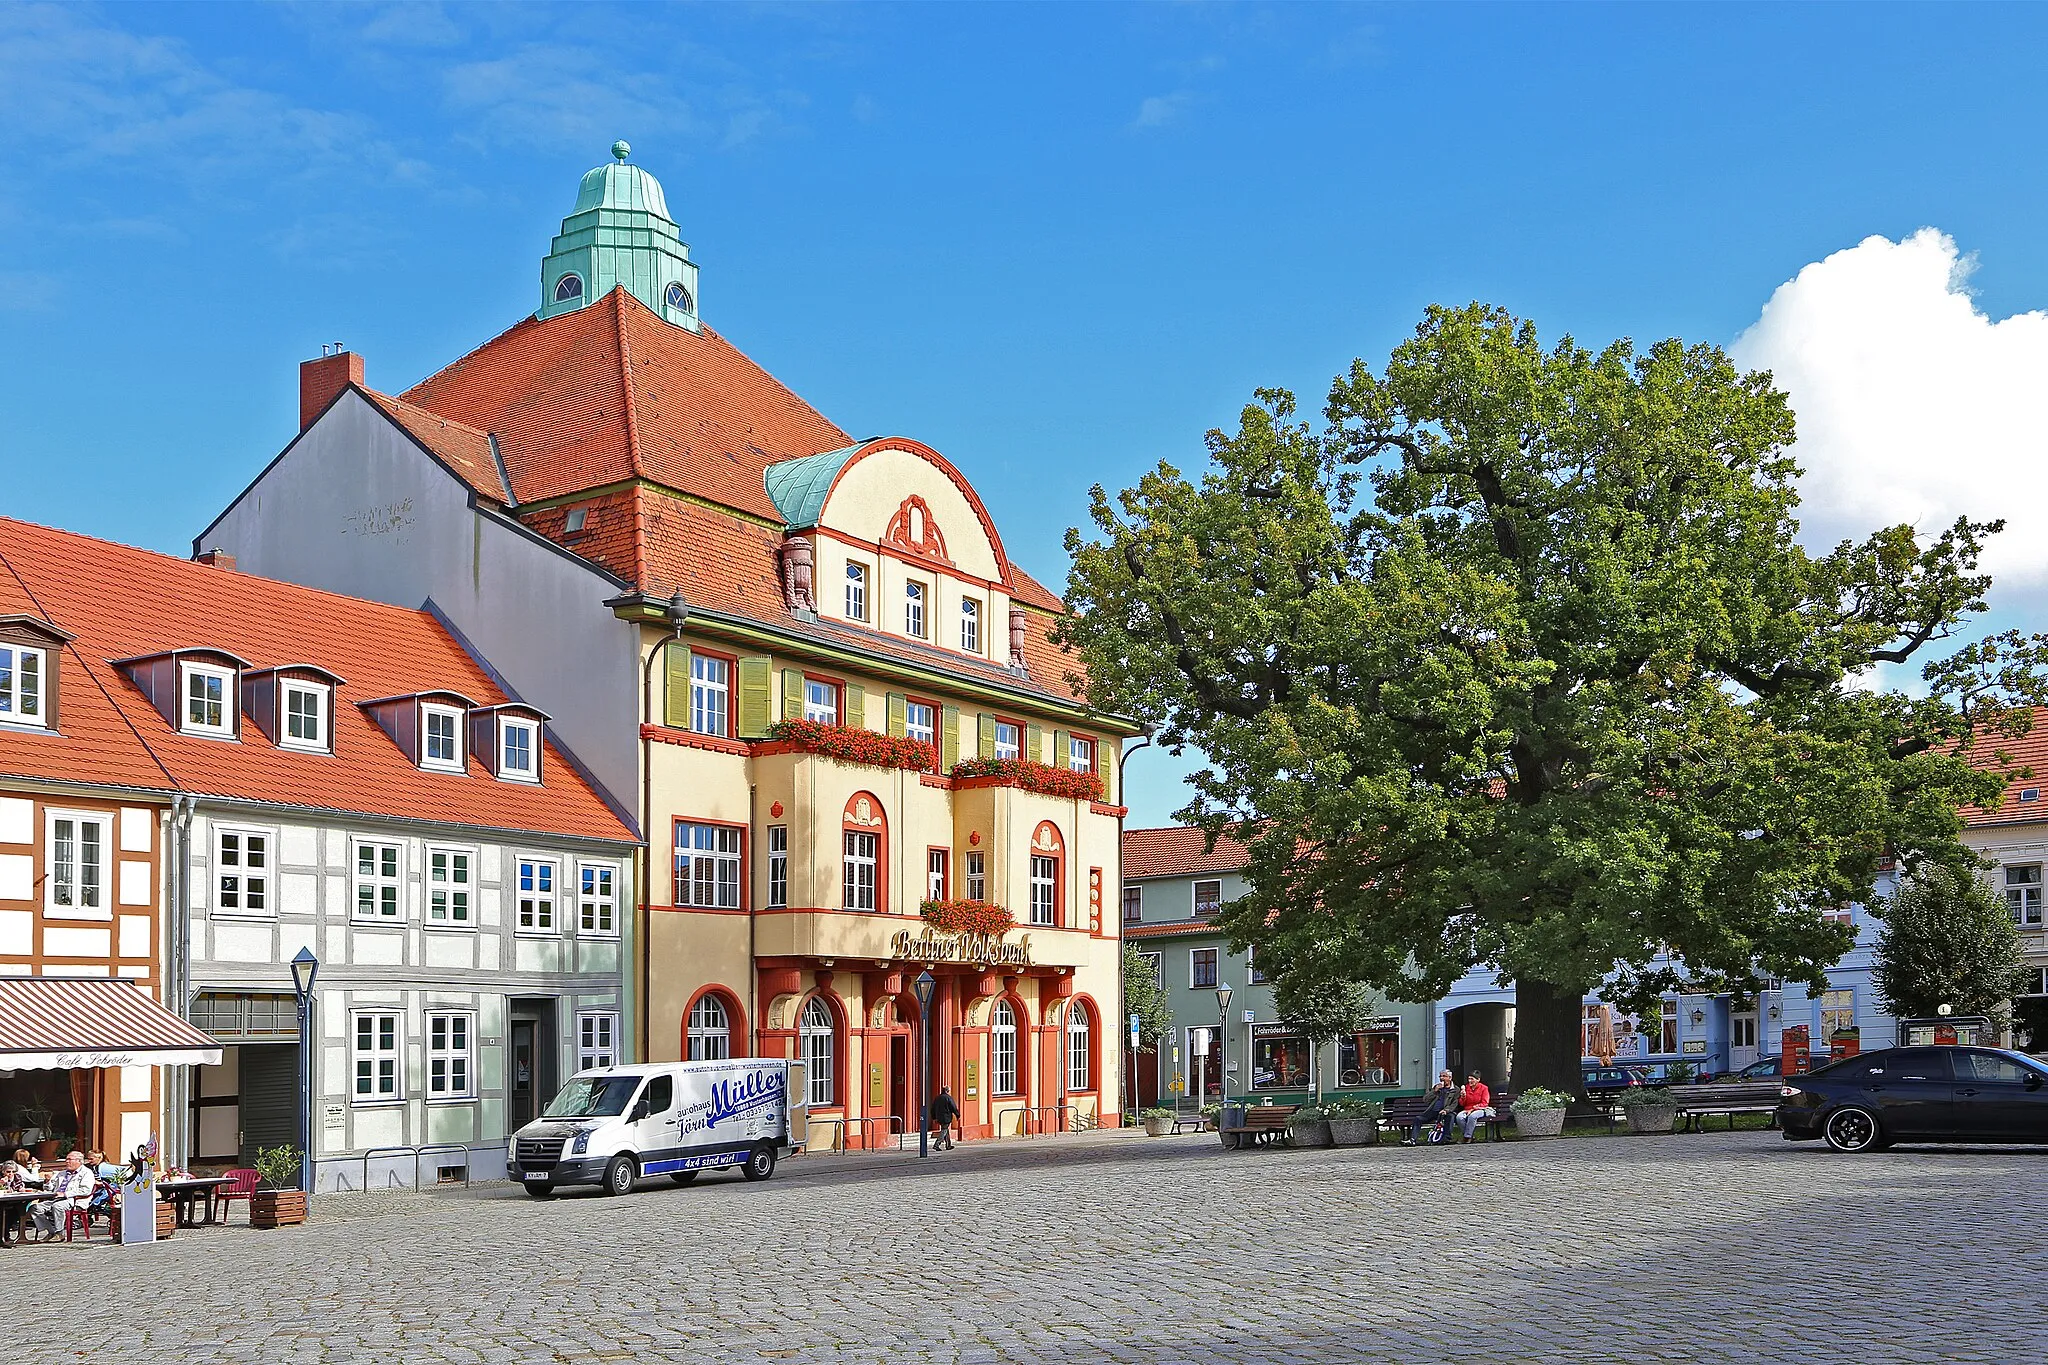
pixel 1355 1132
pixel 1309 1133
pixel 1538 1123
pixel 277 1208
pixel 1646 1118
pixel 1157 1127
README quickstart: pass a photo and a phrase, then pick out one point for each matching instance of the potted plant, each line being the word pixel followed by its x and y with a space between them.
pixel 1157 1121
pixel 1310 1127
pixel 278 1201
pixel 1355 1123
pixel 1539 1113
pixel 1649 1109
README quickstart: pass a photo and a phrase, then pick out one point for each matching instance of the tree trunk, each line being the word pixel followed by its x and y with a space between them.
pixel 1547 1040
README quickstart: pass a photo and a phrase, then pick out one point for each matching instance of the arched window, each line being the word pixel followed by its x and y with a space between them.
pixel 1080 1048
pixel 1002 1035
pixel 568 287
pixel 679 298
pixel 710 1030
pixel 862 853
pixel 820 1049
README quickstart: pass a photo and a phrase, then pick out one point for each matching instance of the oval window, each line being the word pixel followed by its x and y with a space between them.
pixel 568 287
pixel 679 298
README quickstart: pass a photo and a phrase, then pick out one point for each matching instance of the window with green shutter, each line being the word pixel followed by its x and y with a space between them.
pixel 675 711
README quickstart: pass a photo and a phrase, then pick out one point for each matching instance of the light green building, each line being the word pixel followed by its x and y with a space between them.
pixel 1172 891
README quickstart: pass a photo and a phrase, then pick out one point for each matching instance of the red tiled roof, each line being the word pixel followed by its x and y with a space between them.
pixel 122 602
pixel 1172 928
pixel 464 449
pixel 2028 753
pixel 1176 851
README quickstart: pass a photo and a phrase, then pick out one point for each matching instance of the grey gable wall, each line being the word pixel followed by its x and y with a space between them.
pixel 356 507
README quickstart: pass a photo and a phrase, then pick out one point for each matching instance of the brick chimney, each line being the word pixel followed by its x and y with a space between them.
pixel 320 381
pixel 217 557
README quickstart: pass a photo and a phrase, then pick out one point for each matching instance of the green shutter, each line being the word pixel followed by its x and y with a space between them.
pixel 988 736
pixel 676 707
pixel 1105 767
pixel 896 716
pixel 792 694
pixel 1034 743
pixel 757 695
pixel 856 706
pixel 949 741
pixel 1062 754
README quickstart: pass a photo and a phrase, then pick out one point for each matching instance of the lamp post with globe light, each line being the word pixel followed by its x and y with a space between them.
pixel 1222 1044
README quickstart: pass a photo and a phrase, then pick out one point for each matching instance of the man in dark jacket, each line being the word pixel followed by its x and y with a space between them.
pixel 1437 1108
pixel 944 1110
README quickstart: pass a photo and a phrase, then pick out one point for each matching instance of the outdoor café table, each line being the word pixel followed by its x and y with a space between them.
pixel 188 1192
pixel 14 1213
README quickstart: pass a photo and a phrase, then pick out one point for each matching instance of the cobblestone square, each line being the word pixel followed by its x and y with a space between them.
pixel 1724 1246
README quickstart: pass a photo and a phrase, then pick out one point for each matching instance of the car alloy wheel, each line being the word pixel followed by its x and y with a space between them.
pixel 760 1162
pixel 618 1176
pixel 1851 1130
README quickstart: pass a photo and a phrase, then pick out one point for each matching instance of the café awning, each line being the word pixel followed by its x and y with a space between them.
pixel 67 1023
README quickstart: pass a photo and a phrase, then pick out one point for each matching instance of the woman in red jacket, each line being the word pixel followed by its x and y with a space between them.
pixel 1475 1104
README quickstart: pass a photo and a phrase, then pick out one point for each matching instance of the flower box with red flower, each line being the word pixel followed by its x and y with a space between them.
pixel 968 917
pixel 848 744
pixel 1025 775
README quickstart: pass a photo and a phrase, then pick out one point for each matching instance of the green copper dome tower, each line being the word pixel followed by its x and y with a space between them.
pixel 620 233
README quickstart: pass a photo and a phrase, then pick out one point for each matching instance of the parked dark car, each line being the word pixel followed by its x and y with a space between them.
pixel 1762 1069
pixel 1611 1080
pixel 1918 1094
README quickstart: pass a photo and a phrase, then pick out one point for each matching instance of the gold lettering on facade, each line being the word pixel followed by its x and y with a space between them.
pixel 974 950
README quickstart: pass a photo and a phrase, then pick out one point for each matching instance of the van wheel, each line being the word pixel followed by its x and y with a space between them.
pixel 619 1175
pixel 682 1177
pixel 760 1162
pixel 1853 1129
pixel 539 1189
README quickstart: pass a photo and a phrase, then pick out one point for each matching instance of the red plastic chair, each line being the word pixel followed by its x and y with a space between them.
pixel 78 1216
pixel 245 1185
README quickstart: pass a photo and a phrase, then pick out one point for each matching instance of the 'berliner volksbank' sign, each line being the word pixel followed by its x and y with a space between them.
pixel 975 950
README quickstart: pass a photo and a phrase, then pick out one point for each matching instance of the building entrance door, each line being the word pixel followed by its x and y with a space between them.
pixel 524 1110
pixel 1741 1040
pixel 1205 1069
pixel 899 1081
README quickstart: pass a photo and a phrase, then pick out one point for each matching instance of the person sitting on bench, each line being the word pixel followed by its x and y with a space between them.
pixel 1475 1105
pixel 1437 1108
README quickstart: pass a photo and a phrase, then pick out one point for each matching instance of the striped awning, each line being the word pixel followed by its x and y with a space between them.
pixel 67 1024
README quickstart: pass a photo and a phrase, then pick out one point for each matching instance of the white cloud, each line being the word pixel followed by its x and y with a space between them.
pixel 1913 405
pixel 1160 110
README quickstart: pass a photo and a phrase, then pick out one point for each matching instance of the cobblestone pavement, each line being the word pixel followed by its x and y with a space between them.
pixel 1117 1248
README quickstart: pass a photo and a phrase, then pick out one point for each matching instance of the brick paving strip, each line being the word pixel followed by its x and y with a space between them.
pixel 1111 1247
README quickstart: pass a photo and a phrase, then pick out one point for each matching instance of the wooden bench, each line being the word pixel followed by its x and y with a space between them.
pixel 1187 1114
pixel 1698 1103
pixel 1261 1124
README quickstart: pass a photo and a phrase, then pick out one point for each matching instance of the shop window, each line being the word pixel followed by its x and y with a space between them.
pixel 241 872
pixel 1208 898
pixel 778 866
pixel 707 866
pixel 377 882
pixel 710 694
pixel 1837 1013
pixel 820 1050
pixel 1080 1048
pixel 1370 1058
pixel 450 1063
pixel 597 900
pixel 376 1058
pixel 537 886
pixel 1279 1059
pixel 1134 905
pixel 710 1030
pixel 450 885
pixel 2023 893
pixel 1202 968
pixel 597 1040
pixel 1002 1038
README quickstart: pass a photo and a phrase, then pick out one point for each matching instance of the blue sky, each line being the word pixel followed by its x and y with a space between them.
pixel 1056 242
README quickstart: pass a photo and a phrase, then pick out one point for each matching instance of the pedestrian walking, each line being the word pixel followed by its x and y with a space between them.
pixel 945 1109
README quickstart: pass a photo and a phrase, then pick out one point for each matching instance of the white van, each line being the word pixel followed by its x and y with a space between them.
pixel 615 1124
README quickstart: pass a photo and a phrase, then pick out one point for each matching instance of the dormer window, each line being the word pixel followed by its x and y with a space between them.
pixel 209 700
pixel 679 298
pixel 307 707
pixel 518 750
pixel 22 671
pixel 569 288
pixel 440 738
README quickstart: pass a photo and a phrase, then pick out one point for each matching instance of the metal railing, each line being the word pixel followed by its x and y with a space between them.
pixel 1038 1120
pixel 418 1154
pixel 841 1124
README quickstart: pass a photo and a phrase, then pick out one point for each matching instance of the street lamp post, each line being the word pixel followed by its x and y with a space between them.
pixel 923 986
pixel 305 969
pixel 1222 1045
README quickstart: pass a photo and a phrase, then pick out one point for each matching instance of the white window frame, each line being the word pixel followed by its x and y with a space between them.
pixel 723 865
pixel 229 702
pixel 974 874
pixel 1080 754
pixel 1822 1009
pixel 429 712
pixel 916 596
pixel 1002 1050
pixel 323 716
pixel 451 1055
pixel 1667 1027
pixel 778 866
pixel 2024 895
pixel 822 1081
pixel 1158 961
pixel 447 885
pixel 1045 891
pixel 2039 976
pixel 970 625
pixel 938 873
pixel 1252 975
pixel 856 591
pixel 533 904
pixel 925 731
pixel 711 697
pixel 702 1032
pixel 820 712
pixel 247 884
pixel 1080 1035
pixel 383 1060
pixel 378 881
pixel 98 884
pixel 1014 745
pixel 12 691
pixel 860 870
pixel 507 725
pixel 597 899
pixel 597 1039
pixel 1216 958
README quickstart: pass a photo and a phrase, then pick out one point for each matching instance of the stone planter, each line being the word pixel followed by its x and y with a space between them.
pixel 1156 1126
pixel 1355 1132
pixel 1308 1133
pixel 277 1208
pixel 1644 1118
pixel 1539 1123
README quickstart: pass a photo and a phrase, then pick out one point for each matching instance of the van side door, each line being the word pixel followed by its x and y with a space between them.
pixel 654 1125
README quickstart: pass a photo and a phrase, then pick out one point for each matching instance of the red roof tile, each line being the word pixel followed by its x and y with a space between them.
pixel 1176 851
pixel 2028 753
pixel 465 450
pixel 122 602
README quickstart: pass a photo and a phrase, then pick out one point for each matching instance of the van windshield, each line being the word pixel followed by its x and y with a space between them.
pixel 592 1097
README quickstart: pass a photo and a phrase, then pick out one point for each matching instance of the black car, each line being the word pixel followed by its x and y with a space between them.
pixel 1918 1094
pixel 1610 1080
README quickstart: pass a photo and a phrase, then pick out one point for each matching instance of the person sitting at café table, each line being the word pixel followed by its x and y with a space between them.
pixel 1475 1103
pixel 72 1189
pixel 31 1169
